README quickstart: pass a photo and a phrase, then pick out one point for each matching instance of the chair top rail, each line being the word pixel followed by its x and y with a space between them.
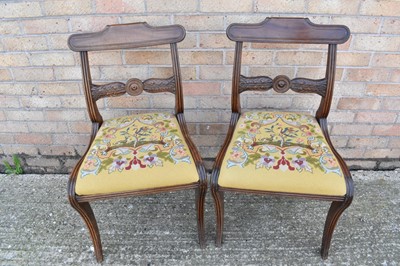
pixel 288 30
pixel 126 36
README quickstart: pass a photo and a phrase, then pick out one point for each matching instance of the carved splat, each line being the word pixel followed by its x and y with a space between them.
pixel 282 84
pixel 133 87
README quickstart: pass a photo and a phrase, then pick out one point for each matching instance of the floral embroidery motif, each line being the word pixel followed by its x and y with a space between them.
pixel 136 142
pixel 281 141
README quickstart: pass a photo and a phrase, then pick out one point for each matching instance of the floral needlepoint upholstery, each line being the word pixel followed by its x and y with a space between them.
pixel 136 152
pixel 281 152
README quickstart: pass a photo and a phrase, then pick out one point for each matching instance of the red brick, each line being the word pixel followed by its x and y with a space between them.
pixel 201 88
pixel 341 117
pixel 89 23
pixel 70 7
pixel 24 115
pixel 148 57
pixel 339 142
pixel 358 24
pixel 382 153
pixel 33 74
pixel 39 102
pixel 44 126
pixel 201 22
pixel 367 42
pixel 57 150
pixel 366 75
pixel 357 142
pixel 45 26
pixel 215 72
pixel 358 103
pixel 13 60
pixel 383 90
pixel 352 129
pixel 66 115
pixel 386 130
pixel 391 26
pixel 391 104
pixel 25 43
pixel 394 143
pixel 6 138
pixel 333 7
pixel 120 6
pixel 76 139
pixel 285 6
pixel 13 126
pixel 376 117
pixel 299 58
pixel 395 76
pixel 129 102
pixel 51 59
pixel 349 89
pixel 213 129
pixel 173 6
pixel 5 75
pixel 105 58
pixel 353 59
pixel 73 101
pixel 226 6
pixel 201 58
pixel 252 58
pixel 350 153
pixel 215 40
pixel 9 102
pixel 33 138
pixel 9 27
pixel 386 60
pixel 221 102
pixel 203 116
pixel 379 8
pixel 20 10
pixel 272 71
pixel 80 127
pixel 267 102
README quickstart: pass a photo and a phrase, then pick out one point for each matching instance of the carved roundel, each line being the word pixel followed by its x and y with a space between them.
pixel 281 83
pixel 134 87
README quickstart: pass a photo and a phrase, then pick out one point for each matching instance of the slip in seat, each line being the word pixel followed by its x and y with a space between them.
pixel 281 152
pixel 133 152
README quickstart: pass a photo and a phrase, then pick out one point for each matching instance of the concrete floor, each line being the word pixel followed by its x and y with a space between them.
pixel 38 227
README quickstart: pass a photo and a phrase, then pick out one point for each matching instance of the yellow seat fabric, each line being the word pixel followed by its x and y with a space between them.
pixel 136 152
pixel 281 152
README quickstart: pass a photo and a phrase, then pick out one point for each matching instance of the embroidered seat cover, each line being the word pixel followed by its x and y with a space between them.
pixel 281 152
pixel 136 152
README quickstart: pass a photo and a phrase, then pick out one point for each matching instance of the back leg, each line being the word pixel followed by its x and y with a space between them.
pixel 336 209
pixel 200 199
pixel 86 212
pixel 219 210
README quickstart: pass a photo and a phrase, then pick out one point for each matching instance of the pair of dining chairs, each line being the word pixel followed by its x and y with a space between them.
pixel 265 152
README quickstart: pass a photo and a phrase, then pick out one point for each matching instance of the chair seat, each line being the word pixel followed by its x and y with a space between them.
pixel 281 152
pixel 134 153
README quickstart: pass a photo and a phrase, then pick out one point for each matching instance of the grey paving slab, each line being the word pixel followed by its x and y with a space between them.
pixel 38 227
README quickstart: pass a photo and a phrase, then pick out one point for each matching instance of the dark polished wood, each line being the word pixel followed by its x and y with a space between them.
pixel 130 36
pixel 288 30
pixel 285 30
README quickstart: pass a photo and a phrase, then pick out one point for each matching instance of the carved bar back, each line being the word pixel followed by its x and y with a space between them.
pixel 287 30
pixel 128 36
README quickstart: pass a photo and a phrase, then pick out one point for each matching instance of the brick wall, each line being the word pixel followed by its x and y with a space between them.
pixel 42 107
